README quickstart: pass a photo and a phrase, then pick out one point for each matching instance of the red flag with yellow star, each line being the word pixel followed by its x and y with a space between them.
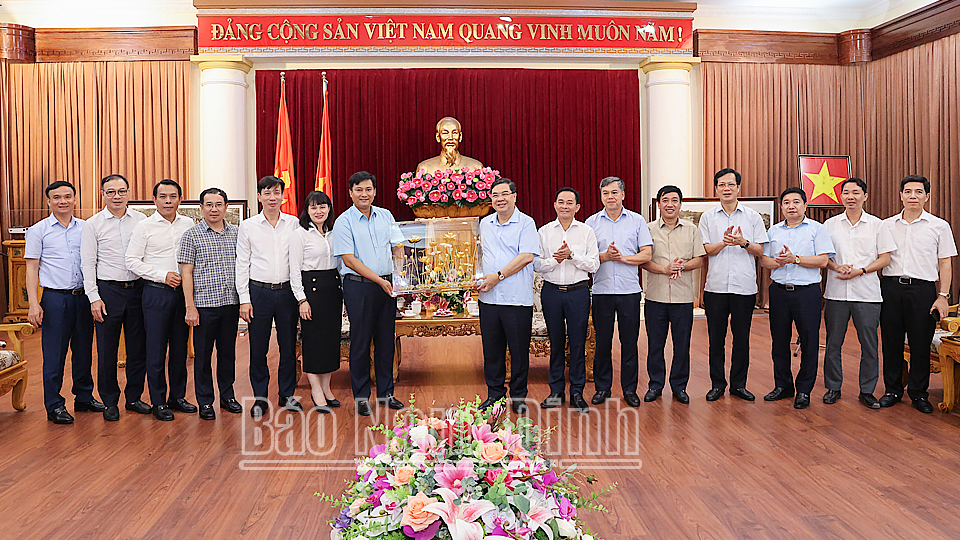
pixel 283 159
pixel 821 178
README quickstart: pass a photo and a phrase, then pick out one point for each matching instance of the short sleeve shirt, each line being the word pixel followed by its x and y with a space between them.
pixel 858 245
pixel 500 243
pixel 733 270
pixel 629 232
pixel 682 241
pixel 808 239
pixel 214 258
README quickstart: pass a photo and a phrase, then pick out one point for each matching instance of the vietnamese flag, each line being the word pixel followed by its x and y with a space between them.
pixel 283 159
pixel 324 167
pixel 821 178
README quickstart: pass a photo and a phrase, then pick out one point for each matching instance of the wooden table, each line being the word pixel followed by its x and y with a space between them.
pixel 426 325
pixel 949 358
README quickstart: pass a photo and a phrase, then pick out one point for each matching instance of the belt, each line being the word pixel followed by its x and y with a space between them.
pixel 271 286
pixel 355 277
pixel 567 288
pixel 156 285
pixel 793 287
pixel 903 280
pixel 121 284
pixel 74 292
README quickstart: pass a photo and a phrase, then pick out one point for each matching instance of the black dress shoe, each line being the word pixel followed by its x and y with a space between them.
pixel 831 397
pixel 600 397
pixel 89 406
pixel 363 408
pixel 333 403
pixel 802 401
pixel 681 396
pixel 577 402
pixel 112 413
pixel 138 407
pixel 714 394
pixel 182 405
pixel 487 403
pixel 519 406
pixel 162 413
pixel 291 403
pixel 320 408
pixel 869 401
pixel 207 412
pixel 391 402
pixel 632 399
pixel 553 401
pixel 778 393
pixel 922 405
pixel 60 416
pixel 743 394
pixel 231 405
pixel 651 395
pixel 889 400
pixel 259 408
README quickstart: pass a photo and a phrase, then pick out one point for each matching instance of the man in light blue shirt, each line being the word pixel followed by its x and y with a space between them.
pixel 799 248
pixel 53 262
pixel 624 242
pixel 362 237
pixel 509 243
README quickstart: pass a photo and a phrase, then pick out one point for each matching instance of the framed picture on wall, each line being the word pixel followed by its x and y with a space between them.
pixel 236 210
pixel 693 207
pixel 821 178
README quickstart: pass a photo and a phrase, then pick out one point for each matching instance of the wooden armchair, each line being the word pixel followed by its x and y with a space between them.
pixel 13 364
pixel 944 355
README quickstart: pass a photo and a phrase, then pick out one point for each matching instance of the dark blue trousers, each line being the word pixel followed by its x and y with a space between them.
pixel 163 312
pixel 802 308
pixel 124 309
pixel 373 316
pixel 501 327
pixel 566 313
pixel 217 328
pixel 625 308
pixel 271 305
pixel 660 317
pixel 906 311
pixel 67 323
pixel 738 309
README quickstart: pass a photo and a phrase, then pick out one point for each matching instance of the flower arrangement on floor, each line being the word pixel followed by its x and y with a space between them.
pixel 461 187
pixel 472 474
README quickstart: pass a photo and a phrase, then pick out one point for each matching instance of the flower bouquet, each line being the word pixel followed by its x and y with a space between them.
pixel 447 192
pixel 471 474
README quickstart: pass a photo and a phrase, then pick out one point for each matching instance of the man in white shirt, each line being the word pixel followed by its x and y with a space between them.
pixel 568 255
pixel 115 297
pixel 263 284
pixel 912 303
pixel 733 237
pixel 863 245
pixel 152 255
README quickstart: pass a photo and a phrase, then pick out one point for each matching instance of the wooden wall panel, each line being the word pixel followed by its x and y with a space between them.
pixel 924 25
pixel 17 43
pixel 615 5
pixel 762 47
pixel 115 44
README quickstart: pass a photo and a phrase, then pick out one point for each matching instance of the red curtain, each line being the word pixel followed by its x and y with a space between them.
pixel 544 129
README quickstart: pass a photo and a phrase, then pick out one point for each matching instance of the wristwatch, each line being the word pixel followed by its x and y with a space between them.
pixel 500 275
pixel 864 270
pixel 797 261
pixel 944 294
pixel 745 246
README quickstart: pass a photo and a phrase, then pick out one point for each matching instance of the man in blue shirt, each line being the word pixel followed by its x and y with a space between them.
pixel 509 242
pixel 624 242
pixel 53 262
pixel 798 248
pixel 362 237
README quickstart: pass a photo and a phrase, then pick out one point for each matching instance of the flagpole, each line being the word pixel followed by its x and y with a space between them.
pixel 324 75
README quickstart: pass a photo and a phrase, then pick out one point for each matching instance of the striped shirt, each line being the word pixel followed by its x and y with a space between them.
pixel 214 258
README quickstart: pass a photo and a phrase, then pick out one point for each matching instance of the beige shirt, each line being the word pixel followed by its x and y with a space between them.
pixel 681 241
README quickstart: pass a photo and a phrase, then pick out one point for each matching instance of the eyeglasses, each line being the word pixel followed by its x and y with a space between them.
pixel 114 192
pixel 726 185
pixel 504 195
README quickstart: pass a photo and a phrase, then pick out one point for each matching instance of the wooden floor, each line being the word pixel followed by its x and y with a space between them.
pixel 729 469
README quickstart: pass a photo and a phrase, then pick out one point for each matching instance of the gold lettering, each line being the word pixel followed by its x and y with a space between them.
pixel 242 32
pixel 664 35
pixel 585 32
pixel 300 30
pixel 228 34
pixel 566 31
pixel 270 30
pixel 328 31
pixel 445 32
pixel 286 30
pixel 216 32
pixel 503 32
pixel 338 33
pixel 312 29
pixel 418 30
pixel 370 27
pixel 353 30
pixel 532 28
pixel 552 31
pixel 255 32
pixel 516 32
pixel 490 34
pixel 464 32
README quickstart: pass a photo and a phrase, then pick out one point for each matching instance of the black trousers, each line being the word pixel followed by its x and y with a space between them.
pixel 659 317
pixel 625 308
pixel 124 310
pixel 906 310
pixel 271 305
pixel 67 323
pixel 738 309
pixel 217 328
pixel 372 315
pixel 163 312
pixel 501 327
pixel 566 315
pixel 800 307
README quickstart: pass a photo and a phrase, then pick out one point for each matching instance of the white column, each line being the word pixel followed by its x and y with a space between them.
pixel 668 129
pixel 223 123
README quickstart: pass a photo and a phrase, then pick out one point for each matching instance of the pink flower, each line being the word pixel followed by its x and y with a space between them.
pixel 481 185
pixel 482 194
pixel 483 433
pixel 457 195
pixel 406 176
pixel 471 195
pixel 457 178
pixel 444 198
pixel 435 182
pixel 411 200
pixel 418 194
pixel 451 477
pixel 460 518
pixel 434 196
pixel 451 186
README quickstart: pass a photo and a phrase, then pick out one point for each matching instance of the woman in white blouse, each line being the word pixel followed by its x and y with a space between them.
pixel 316 285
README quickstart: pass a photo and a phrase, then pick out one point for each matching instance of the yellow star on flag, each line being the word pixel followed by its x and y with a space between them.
pixel 824 184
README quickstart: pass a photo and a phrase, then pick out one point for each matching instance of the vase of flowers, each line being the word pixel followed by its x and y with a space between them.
pixel 469 474
pixel 451 193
